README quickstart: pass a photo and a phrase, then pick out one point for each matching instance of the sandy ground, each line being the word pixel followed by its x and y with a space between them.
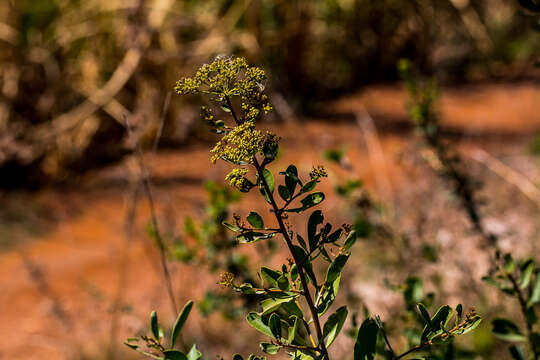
pixel 60 280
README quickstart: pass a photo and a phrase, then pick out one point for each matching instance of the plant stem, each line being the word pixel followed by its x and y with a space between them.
pixel 283 230
pixel 410 351
pixel 523 306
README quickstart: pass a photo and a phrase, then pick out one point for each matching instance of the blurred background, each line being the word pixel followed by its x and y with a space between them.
pixel 78 271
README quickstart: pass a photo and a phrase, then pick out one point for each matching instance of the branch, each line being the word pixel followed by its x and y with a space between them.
pixel 119 78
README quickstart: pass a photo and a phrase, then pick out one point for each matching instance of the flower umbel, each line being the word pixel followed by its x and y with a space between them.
pixel 227 78
pixel 240 145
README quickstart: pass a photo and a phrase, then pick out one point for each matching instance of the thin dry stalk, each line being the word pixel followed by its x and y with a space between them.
pixel 520 181
pixel 145 178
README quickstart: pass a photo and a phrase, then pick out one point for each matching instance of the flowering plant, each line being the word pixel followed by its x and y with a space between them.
pixel 295 300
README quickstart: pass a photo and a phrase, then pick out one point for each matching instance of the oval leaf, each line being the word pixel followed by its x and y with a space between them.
pixel 180 321
pixel 255 220
pixel 333 325
pixel 275 326
pixel 154 325
pixel 174 355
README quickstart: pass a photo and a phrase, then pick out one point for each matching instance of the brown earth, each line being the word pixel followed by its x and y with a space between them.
pixel 75 236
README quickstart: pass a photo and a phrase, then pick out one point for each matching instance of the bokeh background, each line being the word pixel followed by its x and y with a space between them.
pixel 78 271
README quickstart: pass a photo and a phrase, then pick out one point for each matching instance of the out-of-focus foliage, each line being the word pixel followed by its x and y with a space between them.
pixel 209 245
pixel 69 70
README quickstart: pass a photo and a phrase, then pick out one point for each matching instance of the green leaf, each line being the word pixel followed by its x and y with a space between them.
pixel 310 185
pixel 348 187
pixel 154 325
pixel 473 323
pixel 309 201
pixel 253 236
pixel 301 241
pixel 284 192
pixel 271 304
pixel 256 321
pixel 269 179
pixel 180 321
pixel 507 330
pixel 425 314
pixel 414 291
pixel 459 313
pixel 174 355
pixel 231 226
pixel 335 155
pixel 349 241
pixel 535 294
pixel 275 326
pixel 292 330
pixel 532 318
pixel 509 263
pixel 335 236
pixel 194 354
pixel 516 353
pixel 255 220
pixel 438 322
pixel 271 276
pixel 309 272
pixel 291 308
pixel 291 179
pixel 333 325
pixel 270 348
pixel 315 219
pixel 301 255
pixel 253 357
pixel 331 284
pixel 132 346
pixel 527 269
pixel 366 341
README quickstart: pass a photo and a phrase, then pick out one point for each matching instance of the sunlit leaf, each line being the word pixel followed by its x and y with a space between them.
pixel 333 325
pixel 180 321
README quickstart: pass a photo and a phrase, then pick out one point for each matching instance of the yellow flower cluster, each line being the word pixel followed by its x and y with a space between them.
pixel 240 145
pixel 317 172
pixel 237 177
pixel 228 78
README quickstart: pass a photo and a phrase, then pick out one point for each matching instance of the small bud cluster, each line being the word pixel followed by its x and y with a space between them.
pixel 226 279
pixel 317 173
pixel 237 178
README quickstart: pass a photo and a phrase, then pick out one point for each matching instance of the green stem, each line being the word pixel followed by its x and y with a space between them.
pixel 523 306
pixel 299 265
pixel 283 230
pixel 410 351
